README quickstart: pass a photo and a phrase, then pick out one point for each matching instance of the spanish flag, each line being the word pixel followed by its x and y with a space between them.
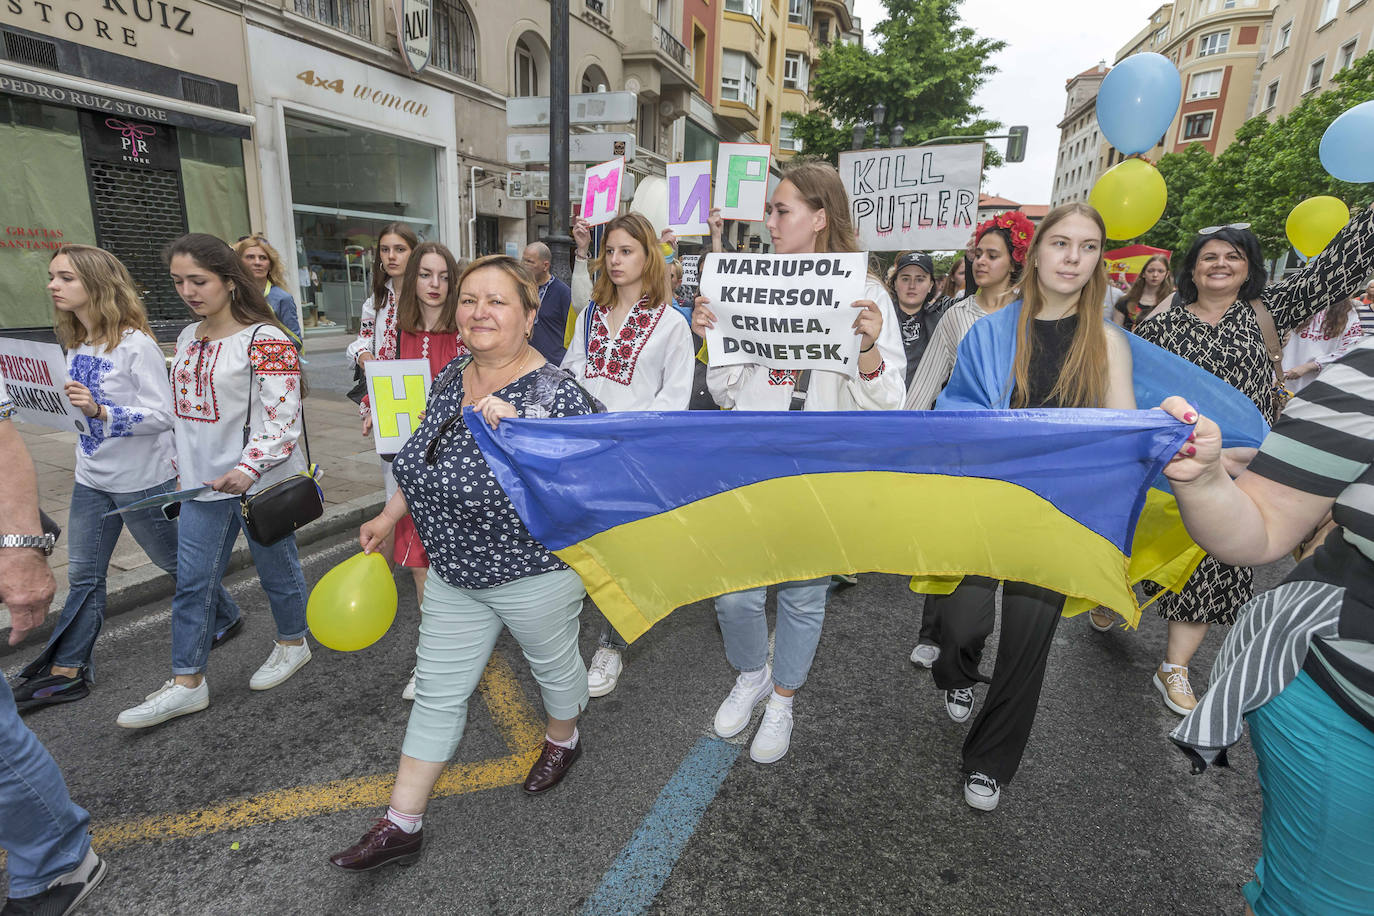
pixel 658 510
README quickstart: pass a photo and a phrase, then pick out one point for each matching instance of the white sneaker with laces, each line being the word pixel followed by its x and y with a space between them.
pixel 733 715
pixel 925 655
pixel 774 736
pixel 409 692
pixel 604 671
pixel 981 791
pixel 167 702
pixel 959 703
pixel 280 665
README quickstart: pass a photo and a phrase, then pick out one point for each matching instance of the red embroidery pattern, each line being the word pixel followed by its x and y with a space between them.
pixel 870 376
pixel 782 377
pixel 194 382
pixel 274 357
pixel 616 360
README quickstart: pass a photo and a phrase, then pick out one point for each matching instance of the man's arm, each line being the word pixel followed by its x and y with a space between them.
pixel 26 583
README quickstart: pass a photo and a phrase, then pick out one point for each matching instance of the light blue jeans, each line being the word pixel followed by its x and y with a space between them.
pixel 91 540
pixel 801 611
pixel 45 834
pixel 205 541
pixel 458 631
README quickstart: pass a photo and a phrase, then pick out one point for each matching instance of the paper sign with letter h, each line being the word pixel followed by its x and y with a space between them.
pixel 601 194
pixel 399 389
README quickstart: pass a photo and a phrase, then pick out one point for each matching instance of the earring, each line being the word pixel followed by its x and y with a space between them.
pixel 234 293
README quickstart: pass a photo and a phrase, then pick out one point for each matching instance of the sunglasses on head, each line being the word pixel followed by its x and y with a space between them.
pixel 1210 229
pixel 259 237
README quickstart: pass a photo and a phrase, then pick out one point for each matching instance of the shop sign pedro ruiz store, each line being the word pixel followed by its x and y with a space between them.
pixel 121 123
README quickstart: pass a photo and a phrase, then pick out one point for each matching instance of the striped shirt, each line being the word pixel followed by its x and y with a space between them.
pixel 1324 444
pixel 938 360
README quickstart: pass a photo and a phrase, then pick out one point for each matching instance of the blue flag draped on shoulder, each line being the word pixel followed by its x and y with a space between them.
pixel 658 510
pixel 1162 552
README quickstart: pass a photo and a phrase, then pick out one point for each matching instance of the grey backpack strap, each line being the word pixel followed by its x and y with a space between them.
pixel 799 390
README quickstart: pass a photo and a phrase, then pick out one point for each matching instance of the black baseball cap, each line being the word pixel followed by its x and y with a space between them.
pixel 919 259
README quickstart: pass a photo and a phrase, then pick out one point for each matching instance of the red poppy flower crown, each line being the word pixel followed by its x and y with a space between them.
pixel 1021 230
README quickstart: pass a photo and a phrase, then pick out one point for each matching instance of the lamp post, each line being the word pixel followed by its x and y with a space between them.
pixel 897 132
pixel 860 132
pixel 559 242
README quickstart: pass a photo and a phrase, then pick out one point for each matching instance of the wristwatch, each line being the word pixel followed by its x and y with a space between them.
pixel 43 542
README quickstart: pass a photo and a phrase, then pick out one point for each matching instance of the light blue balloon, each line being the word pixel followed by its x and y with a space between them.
pixel 1137 102
pixel 1346 145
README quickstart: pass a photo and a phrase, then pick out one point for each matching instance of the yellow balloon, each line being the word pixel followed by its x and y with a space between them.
pixel 1131 198
pixel 353 605
pixel 1313 223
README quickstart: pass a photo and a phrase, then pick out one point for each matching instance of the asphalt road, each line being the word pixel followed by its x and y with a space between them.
pixel 236 809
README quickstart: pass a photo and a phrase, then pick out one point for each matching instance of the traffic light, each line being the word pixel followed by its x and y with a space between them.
pixel 1016 144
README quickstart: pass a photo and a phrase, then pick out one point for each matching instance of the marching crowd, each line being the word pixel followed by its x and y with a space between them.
pixel 505 337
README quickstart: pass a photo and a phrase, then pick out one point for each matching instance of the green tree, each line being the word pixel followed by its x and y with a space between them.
pixel 926 70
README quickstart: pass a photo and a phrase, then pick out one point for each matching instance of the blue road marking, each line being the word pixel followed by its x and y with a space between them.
pixel 643 866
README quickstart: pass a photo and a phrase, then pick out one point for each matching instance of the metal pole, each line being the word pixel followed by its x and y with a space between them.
pixel 559 241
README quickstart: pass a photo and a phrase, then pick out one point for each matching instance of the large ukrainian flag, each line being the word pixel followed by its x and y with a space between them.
pixel 656 511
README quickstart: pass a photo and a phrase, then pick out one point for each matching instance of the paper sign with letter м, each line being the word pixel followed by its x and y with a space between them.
pixel 398 390
pixel 601 195
pixel 742 180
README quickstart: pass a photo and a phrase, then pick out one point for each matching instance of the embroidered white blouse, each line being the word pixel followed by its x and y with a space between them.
pixel 645 365
pixel 382 343
pixel 132 450
pixel 213 390
pixel 758 388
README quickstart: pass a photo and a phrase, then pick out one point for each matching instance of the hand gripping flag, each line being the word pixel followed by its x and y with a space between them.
pixel 658 510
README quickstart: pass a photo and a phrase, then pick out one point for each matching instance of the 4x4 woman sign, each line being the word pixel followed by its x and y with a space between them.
pixel 413 31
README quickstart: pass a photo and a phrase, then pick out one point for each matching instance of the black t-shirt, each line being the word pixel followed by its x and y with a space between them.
pixel 917 328
pixel 1052 340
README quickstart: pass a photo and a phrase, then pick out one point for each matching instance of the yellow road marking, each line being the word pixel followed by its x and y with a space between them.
pixel 515 721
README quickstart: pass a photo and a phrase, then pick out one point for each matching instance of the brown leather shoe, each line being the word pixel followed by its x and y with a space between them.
pixel 383 844
pixel 553 764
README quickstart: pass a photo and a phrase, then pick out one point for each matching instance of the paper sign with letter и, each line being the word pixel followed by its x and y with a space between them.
pixel 784 311
pixel 398 390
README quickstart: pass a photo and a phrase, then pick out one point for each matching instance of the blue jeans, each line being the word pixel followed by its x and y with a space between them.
pixel 801 611
pixel 206 538
pixel 91 540
pixel 44 833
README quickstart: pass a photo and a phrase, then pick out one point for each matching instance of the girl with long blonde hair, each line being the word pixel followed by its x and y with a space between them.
pixel 119 381
pixel 264 264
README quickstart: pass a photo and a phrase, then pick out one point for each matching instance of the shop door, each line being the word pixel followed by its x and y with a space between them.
pixel 134 174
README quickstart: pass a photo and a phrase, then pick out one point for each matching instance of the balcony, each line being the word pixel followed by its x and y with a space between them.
pixel 674 59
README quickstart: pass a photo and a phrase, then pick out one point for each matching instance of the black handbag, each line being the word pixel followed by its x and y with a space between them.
pixel 276 512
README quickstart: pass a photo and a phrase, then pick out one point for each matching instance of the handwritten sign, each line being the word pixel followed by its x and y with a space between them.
pixel 784 311
pixel 601 194
pixel 34 375
pixel 398 390
pixel 689 197
pixel 921 197
pixel 690 264
pixel 742 180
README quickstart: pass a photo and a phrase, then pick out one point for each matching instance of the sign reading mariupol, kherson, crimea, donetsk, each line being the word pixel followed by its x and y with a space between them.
pixel 784 311
pixel 922 198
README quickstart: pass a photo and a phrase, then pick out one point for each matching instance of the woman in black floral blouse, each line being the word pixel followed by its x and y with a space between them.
pixel 1212 323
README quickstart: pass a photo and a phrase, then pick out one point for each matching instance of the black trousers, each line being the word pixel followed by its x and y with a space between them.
pixel 1030 615
pixel 960 623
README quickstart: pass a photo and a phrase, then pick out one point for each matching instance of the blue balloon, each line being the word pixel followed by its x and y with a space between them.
pixel 1137 102
pixel 1346 145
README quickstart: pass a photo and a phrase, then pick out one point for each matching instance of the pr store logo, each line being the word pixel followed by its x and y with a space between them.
pixel 133 140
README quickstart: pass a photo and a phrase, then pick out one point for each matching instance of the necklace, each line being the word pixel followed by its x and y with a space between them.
pixel 470 399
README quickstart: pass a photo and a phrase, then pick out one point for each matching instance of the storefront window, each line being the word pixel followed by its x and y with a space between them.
pixel 46 204
pixel 346 184
pixel 213 181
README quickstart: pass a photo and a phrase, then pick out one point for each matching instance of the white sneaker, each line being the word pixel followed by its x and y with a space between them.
pixel 409 692
pixel 925 655
pixel 959 703
pixel 280 665
pixel 604 671
pixel 167 702
pixel 981 791
pixel 734 713
pixel 774 735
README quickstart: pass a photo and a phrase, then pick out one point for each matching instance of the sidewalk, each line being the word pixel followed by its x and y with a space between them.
pixel 351 480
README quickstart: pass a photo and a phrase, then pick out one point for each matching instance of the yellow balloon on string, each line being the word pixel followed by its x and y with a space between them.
pixel 354 604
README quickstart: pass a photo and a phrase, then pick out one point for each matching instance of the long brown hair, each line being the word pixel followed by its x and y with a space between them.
pixel 1082 380
pixel 112 307
pixel 820 186
pixel 654 281
pixel 410 314
pixel 1137 289
pixel 1336 317
pixel 379 276
pixel 247 304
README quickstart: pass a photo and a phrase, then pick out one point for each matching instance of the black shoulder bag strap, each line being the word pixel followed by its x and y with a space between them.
pixel 799 390
pixel 248 414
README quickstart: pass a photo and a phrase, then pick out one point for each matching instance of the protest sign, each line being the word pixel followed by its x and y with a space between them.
pixel 601 194
pixel 689 197
pixel 923 198
pixel 398 389
pixel 689 269
pixel 34 376
pixel 784 311
pixel 742 180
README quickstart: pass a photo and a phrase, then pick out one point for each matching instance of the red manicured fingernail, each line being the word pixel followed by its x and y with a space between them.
pixel 1192 436
pixel 1189 417
pixel 1191 451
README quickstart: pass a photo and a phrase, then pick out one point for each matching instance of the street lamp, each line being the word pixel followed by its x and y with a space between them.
pixel 860 133
pixel 897 132
pixel 879 114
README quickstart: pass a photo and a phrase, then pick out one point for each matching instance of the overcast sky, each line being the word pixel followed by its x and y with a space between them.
pixel 1043 51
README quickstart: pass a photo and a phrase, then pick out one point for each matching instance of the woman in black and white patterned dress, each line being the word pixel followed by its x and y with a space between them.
pixel 1212 324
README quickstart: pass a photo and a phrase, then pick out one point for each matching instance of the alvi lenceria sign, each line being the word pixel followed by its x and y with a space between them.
pixel 414 21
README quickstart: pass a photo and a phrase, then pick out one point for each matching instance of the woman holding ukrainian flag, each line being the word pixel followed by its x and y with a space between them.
pixel 808 213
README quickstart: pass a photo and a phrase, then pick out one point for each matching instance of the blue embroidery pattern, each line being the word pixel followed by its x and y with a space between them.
pixel 91 371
